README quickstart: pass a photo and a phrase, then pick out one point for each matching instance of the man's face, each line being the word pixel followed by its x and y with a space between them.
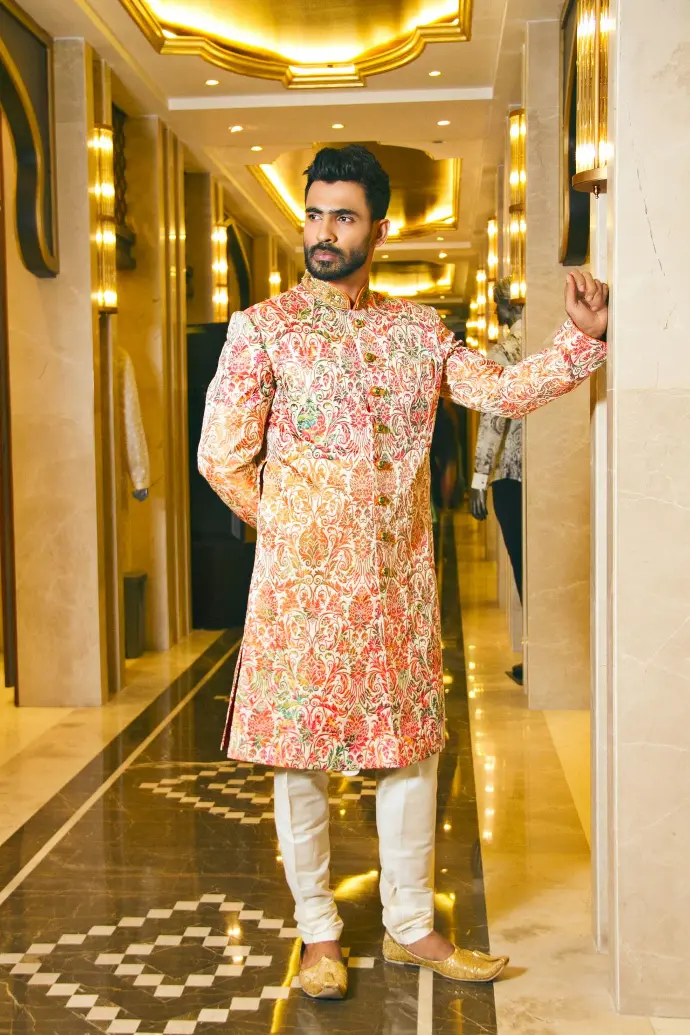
pixel 339 234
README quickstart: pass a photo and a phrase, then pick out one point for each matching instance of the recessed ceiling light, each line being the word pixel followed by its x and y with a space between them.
pixel 236 129
pixel 337 125
pixel 442 255
pixel 257 147
pixel 442 297
pixel 212 82
pixel 434 73
pixel 440 238
pixel 384 256
pixel 443 122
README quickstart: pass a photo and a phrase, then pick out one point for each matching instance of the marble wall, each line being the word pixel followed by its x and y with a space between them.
pixel 151 326
pixel 649 510
pixel 54 379
pixel 556 438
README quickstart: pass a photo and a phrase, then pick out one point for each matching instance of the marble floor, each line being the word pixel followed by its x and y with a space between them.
pixel 141 886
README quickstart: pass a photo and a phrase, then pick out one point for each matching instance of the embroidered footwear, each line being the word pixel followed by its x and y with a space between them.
pixel 463 965
pixel 327 979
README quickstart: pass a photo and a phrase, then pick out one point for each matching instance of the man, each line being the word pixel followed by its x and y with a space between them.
pixel 317 429
pixel 499 447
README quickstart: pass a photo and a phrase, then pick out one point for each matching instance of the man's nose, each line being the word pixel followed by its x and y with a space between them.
pixel 326 232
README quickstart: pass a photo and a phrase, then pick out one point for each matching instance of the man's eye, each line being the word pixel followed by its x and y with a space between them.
pixel 345 219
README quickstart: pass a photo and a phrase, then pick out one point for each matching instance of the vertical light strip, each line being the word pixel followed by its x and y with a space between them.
pixel 518 187
pixel 219 269
pixel 592 148
pixel 101 143
pixel 491 267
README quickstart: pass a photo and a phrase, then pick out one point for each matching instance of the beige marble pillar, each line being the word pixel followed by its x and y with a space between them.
pixel 556 438
pixel 649 510
pixel 151 324
pixel 54 382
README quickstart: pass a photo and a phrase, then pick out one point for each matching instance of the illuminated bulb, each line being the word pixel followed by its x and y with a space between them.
pixel 489 812
pixel 478 714
pixel 279 858
pixel 440 238
pixel 342 812
pixel 487 835
pixel 236 129
pixel 434 74
pixel 443 122
pixel 385 256
pixel 489 788
pixel 447 827
pixel 274 279
pixel 212 82
pixel 337 125
pixel 442 255
pixel 257 147
pixel 481 276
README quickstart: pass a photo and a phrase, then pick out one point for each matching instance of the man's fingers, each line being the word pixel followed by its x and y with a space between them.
pixel 570 291
pixel 579 280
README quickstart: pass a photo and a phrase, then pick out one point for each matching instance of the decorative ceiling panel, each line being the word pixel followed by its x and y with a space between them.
pixel 305 43
pixel 425 192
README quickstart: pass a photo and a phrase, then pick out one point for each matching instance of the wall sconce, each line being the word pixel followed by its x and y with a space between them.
pixel 219 270
pixel 492 253
pixel 518 222
pixel 492 267
pixel 592 149
pixel 101 143
pixel 275 281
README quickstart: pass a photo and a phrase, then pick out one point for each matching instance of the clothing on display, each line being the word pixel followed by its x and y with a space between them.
pixel 135 448
pixel 499 439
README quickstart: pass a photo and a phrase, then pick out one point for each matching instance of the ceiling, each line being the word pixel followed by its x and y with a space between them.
pixel 400 108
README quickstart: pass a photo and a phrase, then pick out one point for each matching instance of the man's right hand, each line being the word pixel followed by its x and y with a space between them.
pixel 478 504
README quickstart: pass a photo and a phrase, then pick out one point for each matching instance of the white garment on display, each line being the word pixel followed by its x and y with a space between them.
pixel 132 424
pixel 406 822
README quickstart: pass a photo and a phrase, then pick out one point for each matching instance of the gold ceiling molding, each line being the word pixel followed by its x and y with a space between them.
pixel 291 42
pixel 425 192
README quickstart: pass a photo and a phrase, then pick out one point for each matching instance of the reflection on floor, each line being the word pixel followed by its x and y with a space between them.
pixel 41 749
pixel 532 801
pixel 149 896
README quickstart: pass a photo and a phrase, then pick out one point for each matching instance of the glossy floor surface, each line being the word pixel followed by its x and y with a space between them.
pixel 147 894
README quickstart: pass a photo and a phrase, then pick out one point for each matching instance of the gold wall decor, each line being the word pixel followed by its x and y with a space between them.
pixel 574 214
pixel 294 44
pixel 425 192
pixel 517 122
pixel 101 145
pixel 593 150
pixel 26 98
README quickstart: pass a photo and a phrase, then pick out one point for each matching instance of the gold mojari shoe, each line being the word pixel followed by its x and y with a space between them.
pixel 463 965
pixel 327 979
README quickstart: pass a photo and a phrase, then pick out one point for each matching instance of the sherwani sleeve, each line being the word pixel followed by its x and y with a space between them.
pixel 475 382
pixel 237 406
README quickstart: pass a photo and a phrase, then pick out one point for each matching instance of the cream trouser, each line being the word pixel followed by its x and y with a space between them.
pixel 406 821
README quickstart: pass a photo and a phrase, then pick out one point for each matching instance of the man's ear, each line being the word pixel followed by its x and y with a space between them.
pixel 382 232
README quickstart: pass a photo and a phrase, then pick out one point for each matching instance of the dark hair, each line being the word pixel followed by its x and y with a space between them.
pixel 354 164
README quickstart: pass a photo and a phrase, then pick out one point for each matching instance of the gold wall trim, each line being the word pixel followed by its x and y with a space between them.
pixel 242 59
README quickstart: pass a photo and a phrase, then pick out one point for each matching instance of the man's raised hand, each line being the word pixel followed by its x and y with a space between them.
pixel 586 302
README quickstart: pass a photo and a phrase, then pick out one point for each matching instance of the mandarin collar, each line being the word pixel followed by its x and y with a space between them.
pixel 331 295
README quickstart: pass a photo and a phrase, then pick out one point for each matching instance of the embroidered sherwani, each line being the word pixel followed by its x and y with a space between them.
pixel 317 430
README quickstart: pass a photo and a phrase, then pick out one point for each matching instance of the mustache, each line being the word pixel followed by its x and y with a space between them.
pixel 325 248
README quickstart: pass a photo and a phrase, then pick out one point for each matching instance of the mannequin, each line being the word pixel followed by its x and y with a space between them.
pixel 499 450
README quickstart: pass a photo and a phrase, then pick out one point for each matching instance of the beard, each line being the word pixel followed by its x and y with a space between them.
pixel 340 266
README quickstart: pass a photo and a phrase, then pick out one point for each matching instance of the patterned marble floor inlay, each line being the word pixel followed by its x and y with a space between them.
pixel 162 908
pixel 237 791
pixel 176 958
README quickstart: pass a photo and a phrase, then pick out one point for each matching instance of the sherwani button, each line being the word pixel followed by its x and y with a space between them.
pixel 383 465
pixel 370 357
pixel 383 501
pixel 382 429
pixel 377 391
pixel 386 572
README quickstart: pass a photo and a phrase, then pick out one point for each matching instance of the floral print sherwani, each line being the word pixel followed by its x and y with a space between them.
pixel 317 430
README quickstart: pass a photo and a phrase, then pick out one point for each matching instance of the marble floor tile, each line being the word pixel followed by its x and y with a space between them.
pixel 535 852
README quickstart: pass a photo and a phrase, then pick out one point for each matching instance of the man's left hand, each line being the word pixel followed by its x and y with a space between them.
pixel 586 302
